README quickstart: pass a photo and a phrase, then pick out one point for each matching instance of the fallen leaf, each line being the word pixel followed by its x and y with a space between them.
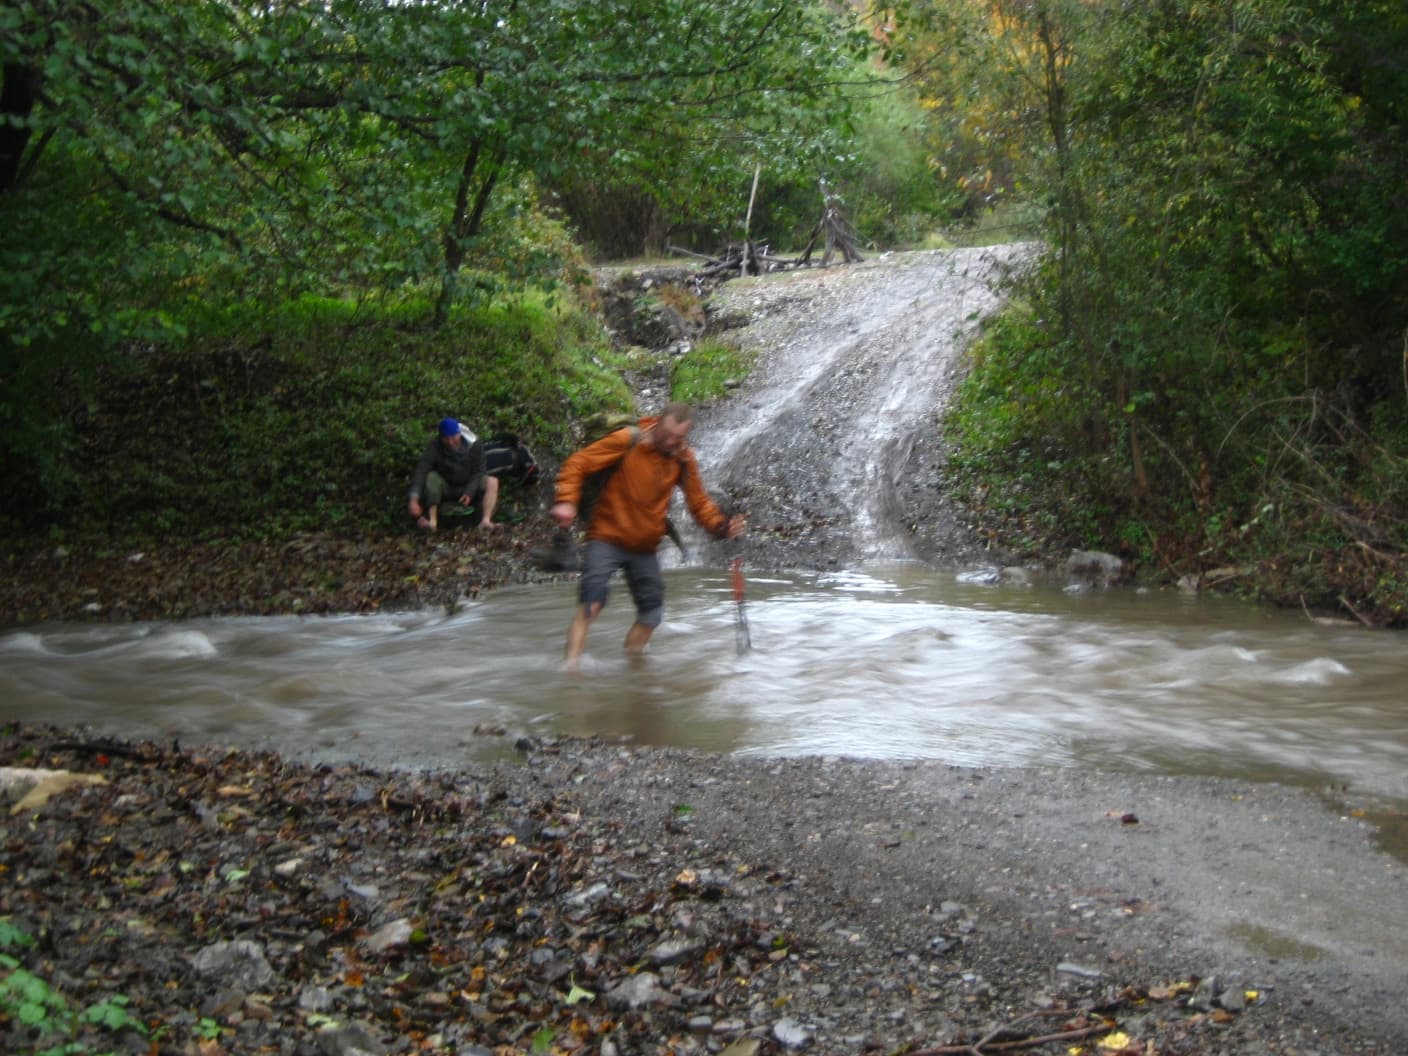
pixel 579 994
pixel 49 783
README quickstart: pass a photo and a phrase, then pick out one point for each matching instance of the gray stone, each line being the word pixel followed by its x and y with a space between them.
pixel 354 1039
pixel 791 1034
pixel 314 999
pixel 635 991
pixel 672 951
pixel 389 936
pixel 240 963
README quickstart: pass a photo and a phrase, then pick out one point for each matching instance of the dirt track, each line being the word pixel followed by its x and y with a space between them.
pixel 829 444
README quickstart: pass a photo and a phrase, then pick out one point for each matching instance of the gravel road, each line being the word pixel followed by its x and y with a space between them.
pixel 831 444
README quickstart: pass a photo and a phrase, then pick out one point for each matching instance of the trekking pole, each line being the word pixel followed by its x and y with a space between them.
pixel 741 636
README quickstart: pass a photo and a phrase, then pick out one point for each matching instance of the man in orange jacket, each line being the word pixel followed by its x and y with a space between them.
pixel 628 520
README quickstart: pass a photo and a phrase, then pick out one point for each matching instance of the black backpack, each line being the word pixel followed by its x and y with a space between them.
pixel 508 458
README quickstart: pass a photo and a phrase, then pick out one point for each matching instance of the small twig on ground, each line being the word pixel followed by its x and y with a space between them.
pixel 988 1043
pixel 96 748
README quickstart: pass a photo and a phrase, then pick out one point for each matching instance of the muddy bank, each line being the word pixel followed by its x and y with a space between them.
pixel 607 899
pixel 311 574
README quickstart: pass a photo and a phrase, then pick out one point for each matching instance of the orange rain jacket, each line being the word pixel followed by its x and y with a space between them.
pixel 631 510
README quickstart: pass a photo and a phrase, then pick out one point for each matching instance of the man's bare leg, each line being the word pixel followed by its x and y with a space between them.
pixel 491 499
pixel 637 638
pixel 433 516
pixel 577 632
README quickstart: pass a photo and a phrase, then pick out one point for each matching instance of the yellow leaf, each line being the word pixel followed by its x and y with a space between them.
pixel 1118 1040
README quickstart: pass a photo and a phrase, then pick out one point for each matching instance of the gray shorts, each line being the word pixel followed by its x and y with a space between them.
pixel 600 560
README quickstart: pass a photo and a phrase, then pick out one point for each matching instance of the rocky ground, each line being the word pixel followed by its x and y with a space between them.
pixel 607 899
pixel 611 899
pixel 832 444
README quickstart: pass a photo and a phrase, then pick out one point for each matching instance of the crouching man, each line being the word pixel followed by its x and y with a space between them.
pixel 452 470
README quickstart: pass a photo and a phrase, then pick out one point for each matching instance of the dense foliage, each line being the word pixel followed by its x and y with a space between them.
pixel 1208 370
pixel 176 179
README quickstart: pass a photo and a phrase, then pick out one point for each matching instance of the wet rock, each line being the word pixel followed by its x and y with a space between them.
pixel 240 963
pixel 791 1034
pixel 672 951
pixel 314 999
pixel 353 1039
pixel 29 789
pixel 1092 569
pixel 1233 999
pixel 635 992
pixel 389 936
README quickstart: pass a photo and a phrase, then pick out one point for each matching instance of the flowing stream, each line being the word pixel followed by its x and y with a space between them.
pixel 878 656
pixel 894 662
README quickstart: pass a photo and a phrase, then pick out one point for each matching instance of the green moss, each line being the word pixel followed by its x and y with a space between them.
pixel 705 372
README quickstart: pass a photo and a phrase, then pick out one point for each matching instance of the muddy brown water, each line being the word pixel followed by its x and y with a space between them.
pixel 899 661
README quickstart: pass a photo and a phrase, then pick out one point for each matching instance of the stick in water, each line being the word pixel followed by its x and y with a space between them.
pixel 745 641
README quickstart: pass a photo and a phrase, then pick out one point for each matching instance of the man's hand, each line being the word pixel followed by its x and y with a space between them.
pixel 736 526
pixel 466 499
pixel 415 507
pixel 564 513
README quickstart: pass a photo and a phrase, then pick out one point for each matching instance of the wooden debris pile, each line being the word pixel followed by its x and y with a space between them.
pixel 748 257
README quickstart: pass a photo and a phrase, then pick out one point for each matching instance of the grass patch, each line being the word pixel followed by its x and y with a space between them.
pixel 708 371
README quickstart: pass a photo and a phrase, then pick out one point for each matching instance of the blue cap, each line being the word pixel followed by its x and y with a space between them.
pixel 449 427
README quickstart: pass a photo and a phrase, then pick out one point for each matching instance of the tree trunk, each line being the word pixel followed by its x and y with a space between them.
pixel 467 218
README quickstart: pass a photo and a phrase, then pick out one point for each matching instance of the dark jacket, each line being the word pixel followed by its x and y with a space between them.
pixel 461 467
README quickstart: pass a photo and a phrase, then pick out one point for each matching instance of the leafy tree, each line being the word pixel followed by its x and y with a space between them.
pixel 162 164
pixel 1219 348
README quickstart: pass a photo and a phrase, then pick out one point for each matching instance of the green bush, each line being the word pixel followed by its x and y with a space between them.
pixel 703 374
pixel 312 416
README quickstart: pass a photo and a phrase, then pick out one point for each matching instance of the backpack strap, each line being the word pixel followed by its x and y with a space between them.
pixel 610 471
pixel 606 474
